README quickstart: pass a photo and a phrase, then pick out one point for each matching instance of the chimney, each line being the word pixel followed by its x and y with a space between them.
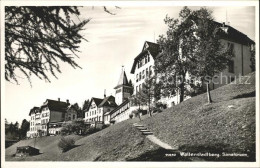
pixel 68 102
pixel 58 99
pixel 223 24
pixel 105 93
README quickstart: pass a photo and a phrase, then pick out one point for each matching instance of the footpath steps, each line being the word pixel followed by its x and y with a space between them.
pixel 149 135
pixel 143 129
pixel 152 138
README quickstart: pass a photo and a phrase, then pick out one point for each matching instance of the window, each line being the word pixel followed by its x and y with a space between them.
pixel 136 89
pixel 143 74
pixel 232 79
pixel 148 57
pixel 147 72
pixel 140 76
pixel 136 77
pixel 150 70
pixel 231 66
pixel 231 49
pixel 100 118
pixel 140 87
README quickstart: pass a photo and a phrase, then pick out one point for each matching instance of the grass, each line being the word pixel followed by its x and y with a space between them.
pixel 116 143
pixel 193 126
pixel 196 126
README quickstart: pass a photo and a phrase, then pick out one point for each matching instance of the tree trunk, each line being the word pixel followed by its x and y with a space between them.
pixel 139 113
pixel 208 93
pixel 181 92
pixel 149 109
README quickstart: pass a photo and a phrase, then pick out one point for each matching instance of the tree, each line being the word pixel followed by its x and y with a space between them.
pixel 85 105
pixel 252 59
pixel 211 56
pixel 38 38
pixel 76 126
pixel 131 84
pixel 147 93
pixel 136 100
pixel 192 47
pixel 176 57
pixel 24 128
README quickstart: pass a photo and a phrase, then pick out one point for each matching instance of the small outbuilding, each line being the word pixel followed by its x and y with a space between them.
pixel 26 151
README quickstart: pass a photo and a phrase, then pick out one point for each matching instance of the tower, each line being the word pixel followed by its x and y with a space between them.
pixel 123 89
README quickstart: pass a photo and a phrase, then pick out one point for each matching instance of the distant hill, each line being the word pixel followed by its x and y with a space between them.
pixel 226 125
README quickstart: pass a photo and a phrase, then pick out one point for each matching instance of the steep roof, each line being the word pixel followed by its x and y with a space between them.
pixel 108 101
pixel 148 47
pixel 97 101
pixel 229 33
pixel 55 105
pixel 34 110
pixel 122 80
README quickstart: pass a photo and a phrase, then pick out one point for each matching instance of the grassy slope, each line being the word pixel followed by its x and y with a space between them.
pixel 196 126
pixel 119 142
pixel 48 148
pixel 190 125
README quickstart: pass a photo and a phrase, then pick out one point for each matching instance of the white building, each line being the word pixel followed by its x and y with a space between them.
pixel 48 115
pixel 143 66
pixel 98 107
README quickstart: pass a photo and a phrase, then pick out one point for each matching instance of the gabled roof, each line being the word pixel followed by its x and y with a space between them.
pixel 97 101
pixel 108 101
pixel 34 110
pixel 229 33
pixel 149 47
pixel 55 105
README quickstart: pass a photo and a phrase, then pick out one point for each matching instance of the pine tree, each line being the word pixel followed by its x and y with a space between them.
pixel 37 39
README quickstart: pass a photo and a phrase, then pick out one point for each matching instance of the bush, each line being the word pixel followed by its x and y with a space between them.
pixel 92 130
pixel 77 127
pixel 105 126
pixel 66 143
pixel 161 105
pixel 131 116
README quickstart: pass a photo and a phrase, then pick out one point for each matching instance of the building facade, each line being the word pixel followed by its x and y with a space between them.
pixel 51 112
pixel 237 43
pixel 97 109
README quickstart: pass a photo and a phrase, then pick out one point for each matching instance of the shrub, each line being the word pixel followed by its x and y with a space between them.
pixel 160 105
pixel 92 130
pixel 131 116
pixel 105 126
pixel 77 127
pixel 66 143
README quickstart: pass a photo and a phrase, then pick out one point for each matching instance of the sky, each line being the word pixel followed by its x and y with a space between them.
pixel 113 41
